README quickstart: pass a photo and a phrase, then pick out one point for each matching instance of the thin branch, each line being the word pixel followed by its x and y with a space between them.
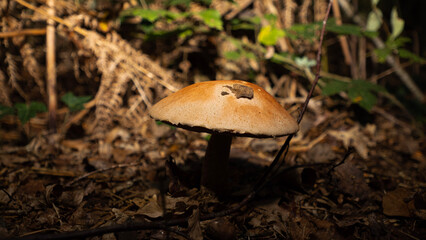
pixel 51 69
pixel 56 19
pixel 342 39
pixel 23 32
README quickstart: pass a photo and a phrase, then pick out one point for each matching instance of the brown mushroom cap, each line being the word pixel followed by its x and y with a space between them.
pixel 226 106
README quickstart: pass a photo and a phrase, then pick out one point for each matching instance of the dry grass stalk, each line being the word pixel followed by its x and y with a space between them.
pixel 288 13
pixel 23 32
pixel 304 11
pixel 51 68
pixel 320 8
pixel 32 66
pixel 342 39
pixel 119 64
pixel 12 71
pixel 4 91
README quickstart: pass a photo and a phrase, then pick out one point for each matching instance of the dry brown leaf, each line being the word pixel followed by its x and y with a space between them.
pixel 72 198
pixel 351 180
pixel 354 137
pixel 194 226
pixel 321 153
pixel 395 203
pixel 116 133
pixel 221 228
pixel 77 144
pixel 151 209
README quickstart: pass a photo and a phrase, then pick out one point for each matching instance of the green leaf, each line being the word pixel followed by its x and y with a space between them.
pixel 374 20
pixel 186 33
pixel 366 86
pixel 269 35
pixel 161 123
pixel 147 14
pixel 409 55
pixel 397 23
pixel 232 55
pixel 211 18
pixel 345 29
pixel 5 110
pixel 250 55
pixel 26 112
pixel 178 2
pixel 303 31
pixel 370 34
pixel 365 99
pixel 271 18
pixel 364 93
pixel 73 102
pixel 254 20
pixel 382 54
pixel 205 2
pixel 397 42
pixel 207 137
pixel 333 87
pixel 359 92
pixel 152 15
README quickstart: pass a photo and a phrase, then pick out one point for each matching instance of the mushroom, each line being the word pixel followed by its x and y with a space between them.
pixel 224 108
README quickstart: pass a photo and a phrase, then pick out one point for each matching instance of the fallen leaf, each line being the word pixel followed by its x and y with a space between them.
pixel 194 226
pixel 151 209
pixel 321 153
pixel 221 228
pixel 115 133
pixel 351 180
pixel 78 145
pixel 354 137
pixel 395 203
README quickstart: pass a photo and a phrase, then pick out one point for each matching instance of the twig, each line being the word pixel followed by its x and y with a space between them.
pixel 56 19
pixel 51 69
pixel 23 32
pixel 347 154
pixel 284 149
pixel 342 39
pixel 387 72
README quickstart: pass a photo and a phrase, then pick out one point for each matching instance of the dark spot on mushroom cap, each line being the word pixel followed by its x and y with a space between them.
pixel 241 91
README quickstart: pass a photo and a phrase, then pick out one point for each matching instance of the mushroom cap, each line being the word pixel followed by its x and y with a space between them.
pixel 225 106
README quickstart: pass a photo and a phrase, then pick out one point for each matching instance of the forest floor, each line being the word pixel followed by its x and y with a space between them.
pixel 350 173
pixel 376 191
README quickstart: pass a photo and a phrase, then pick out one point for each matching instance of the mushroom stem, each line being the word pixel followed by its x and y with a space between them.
pixel 214 174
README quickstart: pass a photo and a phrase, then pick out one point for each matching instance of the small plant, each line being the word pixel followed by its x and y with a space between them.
pixel 209 17
pixel 270 34
pixel 75 103
pixel 359 92
pixel 24 111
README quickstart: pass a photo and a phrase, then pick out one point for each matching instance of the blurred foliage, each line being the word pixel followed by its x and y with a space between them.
pixel 359 91
pixel 73 102
pixel 24 111
pixel 5 110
